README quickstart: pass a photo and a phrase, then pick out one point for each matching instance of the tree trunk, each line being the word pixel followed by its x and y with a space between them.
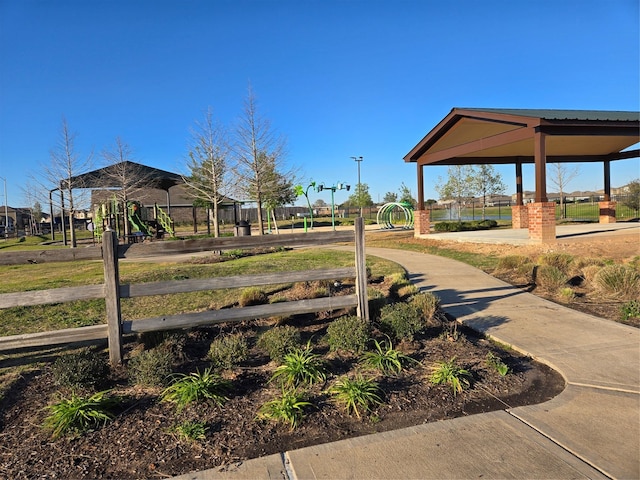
pixel 216 226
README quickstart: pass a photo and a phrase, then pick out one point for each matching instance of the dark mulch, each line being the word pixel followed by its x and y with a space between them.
pixel 139 442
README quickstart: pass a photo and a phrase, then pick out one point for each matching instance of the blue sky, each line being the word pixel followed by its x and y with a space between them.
pixel 337 78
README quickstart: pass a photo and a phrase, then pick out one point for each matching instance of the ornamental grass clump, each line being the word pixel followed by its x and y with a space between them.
pixel 428 306
pixel 79 414
pixel 562 261
pixel 253 296
pixel 348 333
pixel 385 358
pixel 550 278
pixel 300 367
pixel 288 408
pixel 356 394
pixel 196 387
pixel 618 280
pixel 450 373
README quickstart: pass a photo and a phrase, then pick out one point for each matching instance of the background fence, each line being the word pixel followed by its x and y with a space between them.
pixel 112 290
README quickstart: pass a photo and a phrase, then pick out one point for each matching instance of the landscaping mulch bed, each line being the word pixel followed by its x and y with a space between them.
pixel 139 442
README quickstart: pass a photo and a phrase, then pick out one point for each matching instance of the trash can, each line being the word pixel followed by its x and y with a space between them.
pixel 242 228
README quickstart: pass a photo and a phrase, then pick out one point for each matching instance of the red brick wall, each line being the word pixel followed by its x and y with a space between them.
pixel 519 216
pixel 542 222
pixel 421 222
pixel 607 212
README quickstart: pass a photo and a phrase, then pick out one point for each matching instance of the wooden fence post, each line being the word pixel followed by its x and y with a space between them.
pixel 361 272
pixel 112 294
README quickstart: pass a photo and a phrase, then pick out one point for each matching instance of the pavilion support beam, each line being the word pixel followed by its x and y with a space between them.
pixel 540 156
pixel 519 199
pixel 420 187
pixel 607 181
pixel 421 218
pixel 519 212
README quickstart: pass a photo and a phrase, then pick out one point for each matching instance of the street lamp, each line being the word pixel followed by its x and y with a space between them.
pixel 6 211
pixel 359 188
pixel 338 186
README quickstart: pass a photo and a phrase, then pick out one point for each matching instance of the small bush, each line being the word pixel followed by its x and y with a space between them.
pixel 550 278
pixel 79 414
pixel 253 296
pixel 278 341
pixel 620 280
pixel 428 306
pixel 407 291
pixel 401 320
pixel 348 333
pixel 562 261
pixel 589 273
pixel 288 408
pixel 151 368
pixel 465 226
pixel 227 351
pixel 83 369
pixel 377 300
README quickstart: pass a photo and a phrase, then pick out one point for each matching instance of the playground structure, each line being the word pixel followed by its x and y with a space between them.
pixel 139 226
pixel 391 209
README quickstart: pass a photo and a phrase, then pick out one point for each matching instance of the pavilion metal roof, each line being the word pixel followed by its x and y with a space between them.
pixel 107 177
pixel 494 135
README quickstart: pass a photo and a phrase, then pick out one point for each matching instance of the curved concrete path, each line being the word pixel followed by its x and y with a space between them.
pixel 590 430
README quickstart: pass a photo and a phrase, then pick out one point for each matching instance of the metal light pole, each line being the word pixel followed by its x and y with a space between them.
pixel 6 211
pixel 358 188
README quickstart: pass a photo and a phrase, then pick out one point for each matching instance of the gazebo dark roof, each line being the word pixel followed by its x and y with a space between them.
pixel 107 177
pixel 472 136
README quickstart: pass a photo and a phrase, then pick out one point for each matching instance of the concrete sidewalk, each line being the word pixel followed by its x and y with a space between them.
pixel 590 430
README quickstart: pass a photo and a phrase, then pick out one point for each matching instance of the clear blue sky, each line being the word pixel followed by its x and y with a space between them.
pixel 337 78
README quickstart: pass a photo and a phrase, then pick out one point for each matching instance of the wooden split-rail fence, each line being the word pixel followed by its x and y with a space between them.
pixel 112 290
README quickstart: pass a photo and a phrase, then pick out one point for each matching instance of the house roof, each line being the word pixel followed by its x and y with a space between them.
pixel 469 136
pixel 109 177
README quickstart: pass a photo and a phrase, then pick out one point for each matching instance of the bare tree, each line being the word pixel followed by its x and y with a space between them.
pixel 259 152
pixel 459 186
pixel 127 178
pixel 560 175
pixel 208 164
pixel 62 172
pixel 488 182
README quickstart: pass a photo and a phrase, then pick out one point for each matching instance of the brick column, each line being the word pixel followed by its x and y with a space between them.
pixel 421 222
pixel 542 222
pixel 607 212
pixel 519 216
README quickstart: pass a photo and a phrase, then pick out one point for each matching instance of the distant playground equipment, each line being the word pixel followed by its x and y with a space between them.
pixel 390 210
pixel 140 227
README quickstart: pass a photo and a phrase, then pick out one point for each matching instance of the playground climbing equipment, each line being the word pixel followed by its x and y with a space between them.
pixel 392 211
pixel 110 214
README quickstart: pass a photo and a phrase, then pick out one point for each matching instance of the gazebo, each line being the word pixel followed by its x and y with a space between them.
pixel 474 136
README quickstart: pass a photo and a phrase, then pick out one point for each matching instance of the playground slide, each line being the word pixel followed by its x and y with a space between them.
pixel 138 224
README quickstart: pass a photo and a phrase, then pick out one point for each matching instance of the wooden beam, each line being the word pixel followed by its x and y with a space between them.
pixel 420 187
pixel 541 166
pixel 519 183
pixel 474 146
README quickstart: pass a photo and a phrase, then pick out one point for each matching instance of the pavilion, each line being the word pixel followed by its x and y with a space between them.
pixel 474 136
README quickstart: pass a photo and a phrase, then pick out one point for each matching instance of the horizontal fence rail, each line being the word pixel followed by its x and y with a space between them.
pixel 112 291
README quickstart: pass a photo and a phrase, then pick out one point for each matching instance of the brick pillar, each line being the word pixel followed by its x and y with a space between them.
pixel 607 212
pixel 421 222
pixel 542 222
pixel 519 216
